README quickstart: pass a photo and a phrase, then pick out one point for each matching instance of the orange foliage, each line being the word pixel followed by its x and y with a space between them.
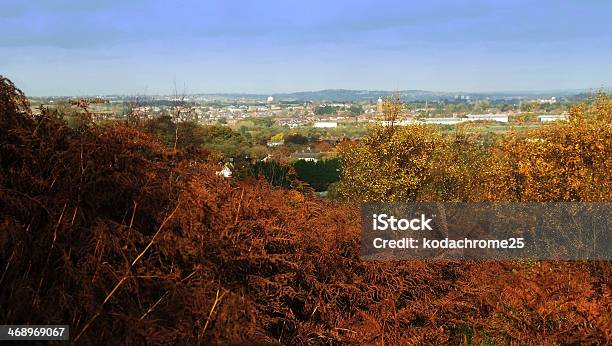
pixel 105 229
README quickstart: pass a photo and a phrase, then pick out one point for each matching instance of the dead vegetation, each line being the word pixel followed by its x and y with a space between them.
pixel 128 242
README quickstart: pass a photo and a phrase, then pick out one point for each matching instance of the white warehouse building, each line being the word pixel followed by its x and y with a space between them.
pixel 444 121
pixel 495 117
pixel 552 117
pixel 326 124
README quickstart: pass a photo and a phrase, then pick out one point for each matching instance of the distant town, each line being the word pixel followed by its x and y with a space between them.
pixel 296 110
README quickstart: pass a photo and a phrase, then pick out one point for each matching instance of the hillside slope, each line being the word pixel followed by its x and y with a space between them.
pixel 106 230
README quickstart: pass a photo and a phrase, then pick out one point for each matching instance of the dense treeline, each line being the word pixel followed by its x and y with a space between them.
pixel 320 174
pixel 273 172
pixel 188 133
pixel 316 175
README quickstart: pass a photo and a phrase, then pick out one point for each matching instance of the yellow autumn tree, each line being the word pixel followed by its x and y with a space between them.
pixel 389 165
pixel 563 161
pixel 408 163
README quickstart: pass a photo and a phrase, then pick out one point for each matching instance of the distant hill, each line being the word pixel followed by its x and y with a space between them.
pixel 361 95
pixel 348 95
pixel 339 95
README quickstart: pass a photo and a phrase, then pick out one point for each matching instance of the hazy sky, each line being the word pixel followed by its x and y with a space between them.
pixel 65 47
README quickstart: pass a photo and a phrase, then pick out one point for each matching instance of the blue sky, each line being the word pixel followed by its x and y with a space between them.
pixel 65 47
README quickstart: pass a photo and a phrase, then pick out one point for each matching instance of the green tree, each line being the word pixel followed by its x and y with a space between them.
pixel 274 172
pixel 356 109
pixel 258 152
pixel 225 140
pixel 325 110
pixel 319 175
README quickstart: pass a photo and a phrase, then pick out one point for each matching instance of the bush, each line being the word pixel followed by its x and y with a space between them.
pixel 319 175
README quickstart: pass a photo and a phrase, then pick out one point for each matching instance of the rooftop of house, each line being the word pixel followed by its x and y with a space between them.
pixel 305 155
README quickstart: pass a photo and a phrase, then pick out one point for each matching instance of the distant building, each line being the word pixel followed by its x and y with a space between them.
pixel 331 140
pixel 226 171
pixel 470 117
pixel 379 106
pixel 306 156
pixel 272 144
pixel 552 117
pixel 444 121
pixel 403 122
pixel 326 124
pixel 549 101
pixel 270 99
pixel 494 117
